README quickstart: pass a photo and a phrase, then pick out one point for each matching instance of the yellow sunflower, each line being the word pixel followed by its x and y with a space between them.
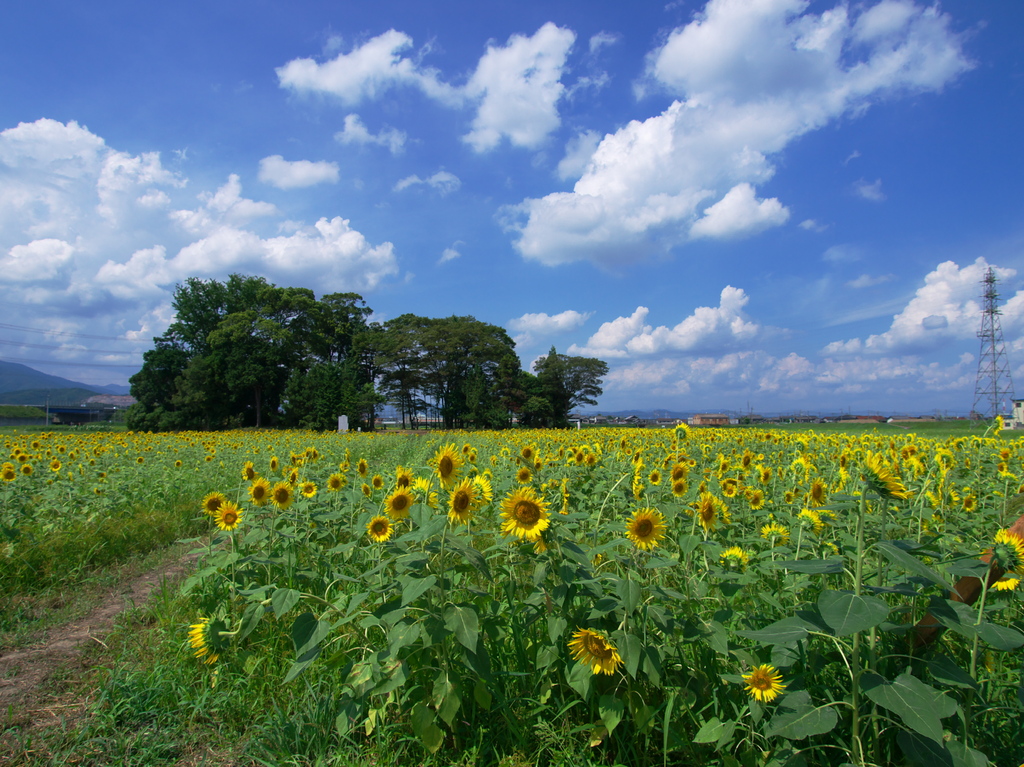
pixel 362 467
pixel 463 501
pixel 377 481
pixel 1008 552
pixel 274 463
pixel 228 516
pixel 646 528
pixel 594 649
pixel 248 471
pixel 525 514
pixel 308 489
pixel 26 469
pixel 212 502
pixel 883 480
pixel 282 495
pixel 259 491
pixel 8 473
pixel 710 511
pixel 734 558
pixel 379 529
pixel 816 496
pixel 755 497
pixel 524 475
pixel 483 486
pixel 764 683
pixel 777 534
pixel 335 482
pixel 447 462
pixel 403 477
pixel 201 637
pixel 397 504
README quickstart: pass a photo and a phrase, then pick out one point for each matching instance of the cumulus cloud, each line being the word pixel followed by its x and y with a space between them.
pixel 279 172
pixel 443 182
pixel 870 191
pixel 355 132
pixel 709 327
pixel 578 152
pixel 451 253
pixel 367 72
pixel 94 239
pixel 518 87
pixel 739 214
pixel 946 308
pixel 532 326
pixel 749 78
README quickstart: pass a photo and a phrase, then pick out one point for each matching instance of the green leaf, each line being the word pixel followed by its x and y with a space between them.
pixel 944 670
pixel 629 593
pixel 711 731
pixel 911 564
pixel 580 678
pixel 464 623
pixel 413 588
pixel 920 706
pixel 1001 637
pixel 786 631
pixel 307 633
pixel 632 651
pixel 284 600
pixel 954 615
pixel 446 697
pixel 482 695
pixel 250 619
pixel 797 717
pixel 556 628
pixel 611 710
pixel 402 635
pixel 846 613
pixel 426 729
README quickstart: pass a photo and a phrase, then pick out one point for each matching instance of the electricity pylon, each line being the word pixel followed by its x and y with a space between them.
pixel 994 386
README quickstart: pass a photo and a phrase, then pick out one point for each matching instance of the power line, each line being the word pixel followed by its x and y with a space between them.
pixel 68 364
pixel 61 333
pixel 48 346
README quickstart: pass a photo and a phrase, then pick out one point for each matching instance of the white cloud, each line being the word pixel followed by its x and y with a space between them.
pixel 443 182
pixel 740 214
pixel 945 309
pixel 601 40
pixel 749 77
pixel 721 327
pixel 530 326
pixel 578 152
pixel 811 225
pixel 842 254
pixel 38 261
pixel 225 206
pixel 367 72
pixel 872 191
pixel 518 87
pixel 867 281
pixel 284 174
pixel 355 132
pixel 451 253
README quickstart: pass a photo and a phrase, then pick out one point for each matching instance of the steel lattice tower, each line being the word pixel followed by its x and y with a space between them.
pixel 994 387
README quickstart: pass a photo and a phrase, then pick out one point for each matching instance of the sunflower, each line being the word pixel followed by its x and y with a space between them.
pixel 248 471
pixel 377 481
pixel 776 533
pixel 367 490
pixel 259 491
pixel 463 501
pixel 8 473
pixel 816 495
pixel 293 477
pixel 970 503
pixel 446 463
pixel 483 485
pixel 679 488
pixel 734 558
pixel 646 528
pixel 274 463
pixel 525 514
pixel 55 465
pixel 308 489
pixel 335 482
pixel 212 502
pixel 654 477
pixel 590 459
pixel 595 650
pixel 524 475
pixel 421 487
pixel 755 497
pixel 362 467
pixel 403 477
pixel 764 683
pixel 282 495
pixel 730 487
pixel 26 469
pixel 813 518
pixel 379 529
pixel 202 637
pixel 397 504
pixel 228 516
pixel 527 452
pixel 1006 584
pixel 710 511
pixel 1008 552
pixel 882 480
pixel 679 471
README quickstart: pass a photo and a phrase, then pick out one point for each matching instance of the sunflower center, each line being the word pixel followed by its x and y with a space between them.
pixel 445 466
pixel 527 513
pixel 461 501
pixel 643 528
pixel 281 495
pixel 379 528
pixel 597 647
pixel 229 517
pixel 399 502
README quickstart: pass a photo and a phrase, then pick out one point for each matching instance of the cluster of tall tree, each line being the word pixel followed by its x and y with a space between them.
pixel 245 352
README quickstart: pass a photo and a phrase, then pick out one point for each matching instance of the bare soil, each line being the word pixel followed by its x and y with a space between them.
pixel 26 697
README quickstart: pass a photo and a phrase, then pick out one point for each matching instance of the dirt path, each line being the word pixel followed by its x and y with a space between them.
pixel 24 672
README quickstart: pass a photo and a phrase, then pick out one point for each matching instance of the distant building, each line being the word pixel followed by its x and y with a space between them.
pixel 710 419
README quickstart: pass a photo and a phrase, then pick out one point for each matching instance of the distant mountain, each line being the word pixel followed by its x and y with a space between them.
pixel 38 397
pixel 15 377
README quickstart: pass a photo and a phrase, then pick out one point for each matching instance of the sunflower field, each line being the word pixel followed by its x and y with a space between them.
pixel 608 596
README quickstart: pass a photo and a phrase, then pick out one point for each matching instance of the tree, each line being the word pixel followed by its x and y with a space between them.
pixel 569 382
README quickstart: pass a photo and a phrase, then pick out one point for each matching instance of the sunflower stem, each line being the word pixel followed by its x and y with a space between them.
pixel 856 746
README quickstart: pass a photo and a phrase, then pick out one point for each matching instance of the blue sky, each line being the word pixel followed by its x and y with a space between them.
pixel 766 204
